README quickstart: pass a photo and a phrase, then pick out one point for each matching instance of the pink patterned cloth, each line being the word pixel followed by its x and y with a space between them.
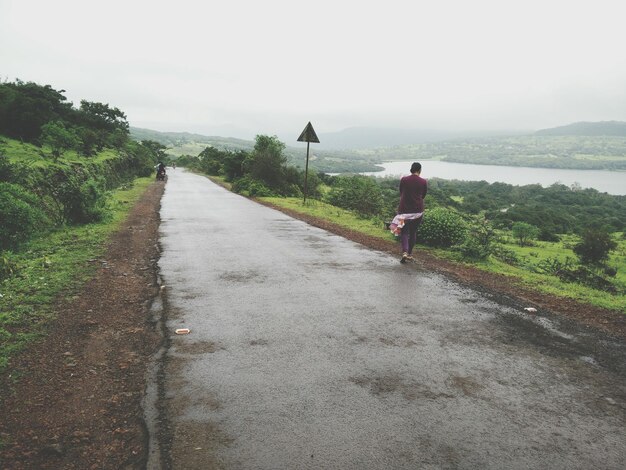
pixel 398 222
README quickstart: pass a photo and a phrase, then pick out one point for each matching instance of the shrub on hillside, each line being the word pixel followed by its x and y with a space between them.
pixel 83 201
pixel 442 228
pixel 525 233
pixel 506 255
pixel 250 187
pixel 357 193
pixel 8 267
pixel 595 246
pixel 479 240
pixel 568 271
pixel 20 215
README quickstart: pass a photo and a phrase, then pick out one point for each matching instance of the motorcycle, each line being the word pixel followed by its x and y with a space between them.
pixel 161 175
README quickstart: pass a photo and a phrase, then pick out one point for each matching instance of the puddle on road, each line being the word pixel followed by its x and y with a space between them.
pixel 558 337
pixel 243 276
pixel 394 383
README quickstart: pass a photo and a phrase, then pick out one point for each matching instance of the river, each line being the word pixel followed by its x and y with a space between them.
pixel 612 182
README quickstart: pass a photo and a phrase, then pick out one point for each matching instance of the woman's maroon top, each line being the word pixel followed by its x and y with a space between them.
pixel 413 190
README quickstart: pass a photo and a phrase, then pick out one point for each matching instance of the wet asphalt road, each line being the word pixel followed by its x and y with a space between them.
pixel 309 351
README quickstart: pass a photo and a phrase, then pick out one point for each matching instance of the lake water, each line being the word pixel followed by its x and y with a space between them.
pixel 612 182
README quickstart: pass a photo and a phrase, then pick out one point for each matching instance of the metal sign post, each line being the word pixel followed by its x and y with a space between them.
pixel 308 135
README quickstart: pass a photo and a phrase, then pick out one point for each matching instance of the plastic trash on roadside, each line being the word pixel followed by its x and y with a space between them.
pixel 183 331
pixel 531 309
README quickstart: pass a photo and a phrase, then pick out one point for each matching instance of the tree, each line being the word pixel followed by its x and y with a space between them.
pixel 232 164
pixel 26 107
pixel 156 149
pixel 524 233
pixel 595 246
pixel 89 140
pixel 59 138
pixel 109 124
pixel 211 160
pixel 266 162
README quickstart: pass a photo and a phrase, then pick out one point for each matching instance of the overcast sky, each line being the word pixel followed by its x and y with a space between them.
pixel 243 67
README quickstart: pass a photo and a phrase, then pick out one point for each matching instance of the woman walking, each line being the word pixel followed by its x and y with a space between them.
pixel 413 190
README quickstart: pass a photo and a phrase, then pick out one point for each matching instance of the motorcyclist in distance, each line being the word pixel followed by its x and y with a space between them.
pixel 160 170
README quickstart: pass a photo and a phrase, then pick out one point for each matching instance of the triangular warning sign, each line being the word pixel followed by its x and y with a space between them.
pixel 308 134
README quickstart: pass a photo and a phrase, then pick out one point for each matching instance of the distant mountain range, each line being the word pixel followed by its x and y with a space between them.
pixel 377 137
pixel 374 137
pixel 355 138
pixel 603 128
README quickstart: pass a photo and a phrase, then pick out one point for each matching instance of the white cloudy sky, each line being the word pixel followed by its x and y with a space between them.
pixel 242 67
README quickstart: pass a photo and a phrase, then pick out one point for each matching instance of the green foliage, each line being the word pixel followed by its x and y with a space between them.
pixel 567 271
pixel 357 193
pixel 524 233
pixel 595 246
pixel 24 166
pixel 210 160
pixel 506 256
pixel 262 172
pixel 267 162
pixel 557 209
pixel 20 216
pixel 26 107
pixel 59 138
pixel 50 268
pixel 83 201
pixel 102 116
pixel 442 227
pixel 479 240
pixel 251 187
pixel 156 150
pixel 8 267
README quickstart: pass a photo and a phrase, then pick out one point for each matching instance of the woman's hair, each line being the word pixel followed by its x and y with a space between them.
pixel 416 167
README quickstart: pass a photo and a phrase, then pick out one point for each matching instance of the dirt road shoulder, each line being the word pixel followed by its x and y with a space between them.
pixel 77 400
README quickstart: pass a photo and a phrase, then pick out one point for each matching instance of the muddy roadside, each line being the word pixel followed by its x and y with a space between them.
pixel 77 402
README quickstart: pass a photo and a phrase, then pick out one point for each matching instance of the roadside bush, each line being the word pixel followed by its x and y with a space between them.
pixel 20 216
pixel 442 228
pixel 232 164
pixel 357 193
pixel 83 201
pixel 250 187
pixel 479 239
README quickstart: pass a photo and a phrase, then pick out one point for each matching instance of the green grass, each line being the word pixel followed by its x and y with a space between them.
pixel 520 274
pixel 54 267
pixel 342 217
pixel 40 157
